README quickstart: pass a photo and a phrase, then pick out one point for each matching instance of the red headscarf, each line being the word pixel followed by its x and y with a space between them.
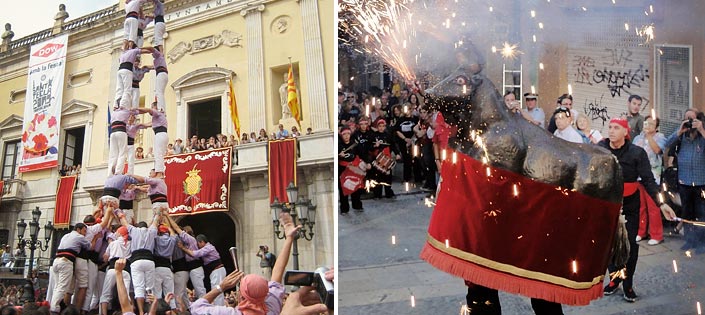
pixel 622 122
pixel 163 229
pixel 254 290
pixel 123 232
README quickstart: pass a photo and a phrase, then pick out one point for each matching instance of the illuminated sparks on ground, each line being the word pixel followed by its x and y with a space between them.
pixel 455 157
pixel 622 274
pixel 406 185
pixel 447 243
pixel 413 301
pixel 509 51
pixel 541 65
pixel 464 310
pixel 369 184
pixel 394 239
pixel 428 202
pixel 675 266
pixel 688 254
pixel 697 305
pixel 352 78
pixel 575 266
pixel 516 190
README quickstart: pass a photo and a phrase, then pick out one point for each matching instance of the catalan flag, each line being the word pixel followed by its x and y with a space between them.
pixel 291 99
pixel 233 108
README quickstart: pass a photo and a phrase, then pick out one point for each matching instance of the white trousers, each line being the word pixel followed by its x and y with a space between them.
pixel 62 270
pixel 130 28
pixel 180 283
pixel 123 88
pixel 130 160
pixel 92 284
pixel 164 284
pixel 135 97
pixel 159 29
pixel 95 299
pixel 107 295
pixel 142 276
pixel 160 86
pixel 217 277
pixel 161 140
pixel 50 286
pixel 118 152
pixel 197 275
pixel 140 41
pixel 81 272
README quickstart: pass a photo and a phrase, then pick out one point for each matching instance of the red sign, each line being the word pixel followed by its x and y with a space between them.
pixel 47 50
pixel 198 182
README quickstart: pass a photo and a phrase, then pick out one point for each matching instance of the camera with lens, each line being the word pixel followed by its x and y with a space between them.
pixel 314 279
pixel 688 124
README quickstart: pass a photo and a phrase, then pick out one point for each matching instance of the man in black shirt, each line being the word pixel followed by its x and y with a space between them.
pixel 404 132
pixel 635 164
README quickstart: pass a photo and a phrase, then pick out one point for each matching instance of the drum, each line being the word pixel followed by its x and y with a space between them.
pixel 384 163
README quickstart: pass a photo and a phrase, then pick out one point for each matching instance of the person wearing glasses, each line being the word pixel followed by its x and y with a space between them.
pixel 564 130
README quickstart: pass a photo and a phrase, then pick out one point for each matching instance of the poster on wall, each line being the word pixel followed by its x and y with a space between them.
pixel 42 110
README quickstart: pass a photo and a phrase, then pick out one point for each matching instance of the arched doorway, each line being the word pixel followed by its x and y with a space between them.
pixel 220 230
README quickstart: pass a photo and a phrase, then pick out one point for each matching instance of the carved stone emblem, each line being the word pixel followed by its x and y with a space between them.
pixel 226 37
pixel 281 24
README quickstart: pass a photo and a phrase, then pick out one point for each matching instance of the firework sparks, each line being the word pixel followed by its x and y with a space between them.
pixel 653 113
pixel 406 185
pixel 516 190
pixel 697 305
pixel 688 254
pixel 447 243
pixel 575 266
pixel 570 89
pixel 541 65
pixel 394 239
pixel 675 266
pixel 369 184
pixel 416 150
pixel 455 157
pixel 413 301
pixel 626 26
pixel 697 80
pixel 510 51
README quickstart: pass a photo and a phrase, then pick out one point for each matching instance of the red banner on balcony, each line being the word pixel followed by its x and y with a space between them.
pixel 198 182
pixel 2 189
pixel 282 168
pixel 64 201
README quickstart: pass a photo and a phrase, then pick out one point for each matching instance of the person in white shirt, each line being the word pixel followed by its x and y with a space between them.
pixel 565 130
pixel 583 125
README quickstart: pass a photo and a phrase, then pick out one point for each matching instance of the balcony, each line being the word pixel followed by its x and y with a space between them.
pixel 12 195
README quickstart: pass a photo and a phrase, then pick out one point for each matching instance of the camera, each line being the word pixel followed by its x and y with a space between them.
pixel 315 279
pixel 261 247
pixel 688 124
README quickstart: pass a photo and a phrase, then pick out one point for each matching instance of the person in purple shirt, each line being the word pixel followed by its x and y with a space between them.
pixel 159 26
pixel 157 192
pixel 127 197
pixel 142 257
pixel 212 265
pixel 162 78
pixel 193 265
pixel 133 8
pixel 161 138
pixel 123 87
pixel 113 188
pixel 132 129
pixel 138 73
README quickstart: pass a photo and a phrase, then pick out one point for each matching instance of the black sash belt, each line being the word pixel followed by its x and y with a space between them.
pixel 140 32
pixel 141 254
pixel 180 265
pixel 213 265
pixel 125 204
pixel 159 129
pixel 157 198
pixel 118 126
pixel 194 264
pixel 67 253
pixel 136 84
pixel 113 192
pixel 162 262
pixel 161 69
pixel 159 19
pixel 132 15
pixel 130 140
pixel 127 66
pixel 111 264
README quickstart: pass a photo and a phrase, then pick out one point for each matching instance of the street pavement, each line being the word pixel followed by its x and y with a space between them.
pixel 379 277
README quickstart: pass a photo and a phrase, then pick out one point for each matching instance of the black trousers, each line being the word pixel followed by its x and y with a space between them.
pixel 355 197
pixel 630 207
pixel 384 183
pixel 429 165
pixel 485 301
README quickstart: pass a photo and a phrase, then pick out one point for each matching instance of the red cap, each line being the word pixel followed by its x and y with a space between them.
pixel 380 121
pixel 163 229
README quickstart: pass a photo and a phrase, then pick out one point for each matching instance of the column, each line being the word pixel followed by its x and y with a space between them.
pixel 256 100
pixel 314 71
pixel 226 125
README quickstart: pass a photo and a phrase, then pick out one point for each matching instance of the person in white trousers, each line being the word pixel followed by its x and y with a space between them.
pixel 161 138
pixel 86 268
pixel 162 78
pixel 159 25
pixel 142 258
pixel 194 265
pixel 123 86
pixel 142 22
pixel 118 140
pixel 137 75
pixel 119 248
pixel 181 267
pixel 133 8
pixel 212 265
pixel 163 250
pixel 70 247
